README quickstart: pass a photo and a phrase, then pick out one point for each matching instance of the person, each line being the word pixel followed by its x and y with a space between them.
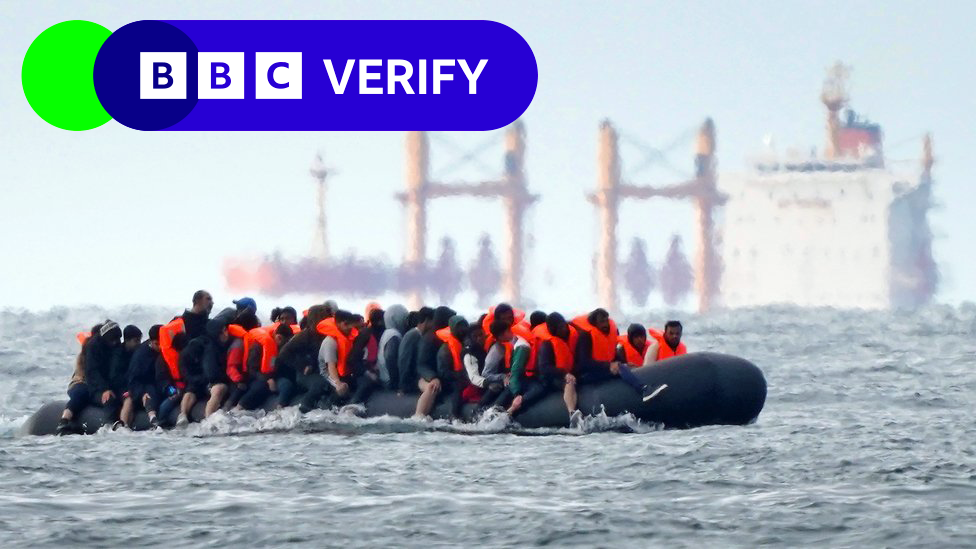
pixel 334 359
pixel 427 349
pixel 632 348
pixel 508 315
pixel 556 343
pixel 450 366
pixel 284 315
pixel 99 352
pixel 473 356
pixel 217 341
pixel 193 322
pixel 665 345
pixel 141 390
pixel 245 304
pixel 236 368
pixel 537 318
pixel 395 322
pixel 78 393
pixel 298 361
pixel 376 325
pixel 170 393
pixel 260 364
pixel 407 351
pixel 121 357
pixel 596 350
pixel 510 356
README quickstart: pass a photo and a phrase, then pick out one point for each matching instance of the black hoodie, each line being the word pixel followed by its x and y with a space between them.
pixel 430 344
pixel 215 352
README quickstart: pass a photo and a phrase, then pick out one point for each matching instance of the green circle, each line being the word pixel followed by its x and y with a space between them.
pixel 58 75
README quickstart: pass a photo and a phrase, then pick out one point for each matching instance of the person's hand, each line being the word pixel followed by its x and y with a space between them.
pixel 272 385
pixel 342 387
pixel 516 404
pixel 106 396
pixel 507 380
pixel 615 368
pixel 571 379
pixel 307 370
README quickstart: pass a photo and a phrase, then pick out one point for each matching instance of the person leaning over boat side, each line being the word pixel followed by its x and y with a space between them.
pixel 260 365
pixel 428 382
pixel 334 357
pixel 596 351
pixel 632 347
pixel 193 322
pixel 99 352
pixel 141 390
pixel 78 394
pixel 407 351
pixel 395 322
pixel 298 361
pixel 450 367
pixel 665 345
pixel 555 360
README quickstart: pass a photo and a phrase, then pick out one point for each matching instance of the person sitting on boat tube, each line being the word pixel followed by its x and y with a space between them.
pixel 78 393
pixel 429 382
pixel 450 363
pixel 408 348
pixel 298 360
pixel 99 353
pixel 335 354
pixel 555 342
pixel 260 363
pixel 141 391
pixel 665 345
pixel 510 355
pixel 596 350
pixel 363 376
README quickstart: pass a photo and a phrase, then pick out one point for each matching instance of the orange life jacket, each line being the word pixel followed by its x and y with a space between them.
pixel 329 328
pixel 444 334
pixel 604 345
pixel 632 354
pixel 564 350
pixel 663 349
pixel 269 348
pixel 82 337
pixel 170 355
pixel 490 317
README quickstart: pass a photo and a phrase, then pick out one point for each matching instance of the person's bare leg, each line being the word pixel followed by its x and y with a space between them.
pixel 147 406
pixel 569 397
pixel 186 405
pixel 428 394
pixel 217 395
pixel 516 404
pixel 67 415
pixel 128 410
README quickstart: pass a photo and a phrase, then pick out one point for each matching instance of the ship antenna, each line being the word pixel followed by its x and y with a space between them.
pixel 834 97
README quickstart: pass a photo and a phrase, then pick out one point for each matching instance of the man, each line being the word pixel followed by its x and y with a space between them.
pixel 246 304
pixel 99 353
pixel 193 322
pixel 335 354
pixel 407 351
pixel 260 364
pixel 131 340
pixel 78 393
pixel 632 348
pixel 450 366
pixel 537 318
pixel 395 322
pixel 217 342
pixel 473 356
pixel 510 356
pixel 236 368
pixel 666 345
pixel 556 343
pixel 429 383
pixel 596 350
pixel 141 381
pixel 298 361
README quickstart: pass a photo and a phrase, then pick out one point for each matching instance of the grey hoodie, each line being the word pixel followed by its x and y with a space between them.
pixel 395 318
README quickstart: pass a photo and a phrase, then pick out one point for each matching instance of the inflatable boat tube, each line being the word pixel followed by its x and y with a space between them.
pixel 702 389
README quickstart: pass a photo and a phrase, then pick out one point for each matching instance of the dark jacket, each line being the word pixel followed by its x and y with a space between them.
pixel 142 368
pixel 195 325
pixel 585 364
pixel 546 362
pixel 407 360
pixel 302 350
pixel 98 366
pixel 118 373
pixel 191 363
pixel 215 352
pixel 430 345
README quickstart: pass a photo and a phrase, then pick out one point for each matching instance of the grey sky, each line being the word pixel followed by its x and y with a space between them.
pixel 116 216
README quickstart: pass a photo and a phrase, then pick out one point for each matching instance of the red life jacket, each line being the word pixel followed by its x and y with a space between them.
pixel 564 350
pixel 329 328
pixel 444 334
pixel 490 317
pixel 663 349
pixel 82 337
pixel 237 369
pixel 632 354
pixel 604 345
pixel 269 348
pixel 170 355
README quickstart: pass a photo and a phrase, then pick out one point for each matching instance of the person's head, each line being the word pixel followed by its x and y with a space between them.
pixel 370 307
pixel 316 314
pixel 288 315
pixel 376 320
pixel 331 307
pixel 245 304
pixel 396 318
pixel 411 320
pixel 557 326
pixel 600 319
pixel 247 320
pixel 501 331
pixel 536 318
pixel 672 333
pixel 110 333
pixel 476 336
pixel 358 321
pixel 345 321
pixel 637 336
pixel 202 302
pixel 131 337
pixel 282 334
pixel 459 327
pixel 425 319
pixel 154 336
pixel 504 312
pixel 442 315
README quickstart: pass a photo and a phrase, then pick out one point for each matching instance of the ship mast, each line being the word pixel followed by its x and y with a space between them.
pixel 834 97
pixel 320 244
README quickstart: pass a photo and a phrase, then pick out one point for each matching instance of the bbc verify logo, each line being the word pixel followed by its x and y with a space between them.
pixel 220 75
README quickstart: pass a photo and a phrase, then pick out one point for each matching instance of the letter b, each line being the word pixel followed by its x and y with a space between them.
pixel 220 75
pixel 162 75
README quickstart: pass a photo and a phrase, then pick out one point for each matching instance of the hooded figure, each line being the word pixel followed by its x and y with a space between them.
pixel 431 344
pixel 395 319
pixel 215 352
